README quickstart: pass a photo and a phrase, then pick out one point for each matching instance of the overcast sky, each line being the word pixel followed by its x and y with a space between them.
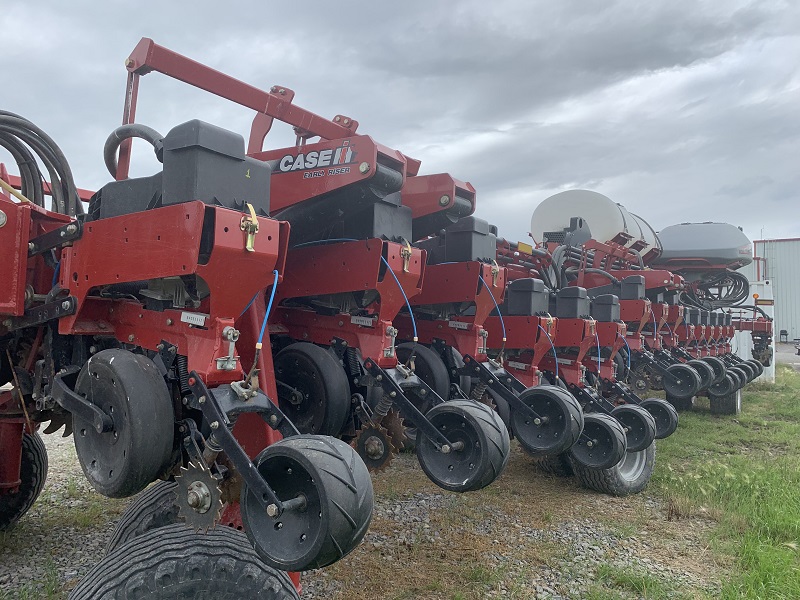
pixel 681 110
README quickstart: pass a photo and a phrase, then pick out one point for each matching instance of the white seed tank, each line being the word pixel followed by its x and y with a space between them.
pixel 606 219
pixel 704 244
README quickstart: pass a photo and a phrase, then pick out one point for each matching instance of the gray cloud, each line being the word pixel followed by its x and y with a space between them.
pixel 679 110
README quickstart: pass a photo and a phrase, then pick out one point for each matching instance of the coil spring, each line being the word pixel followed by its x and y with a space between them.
pixel 353 363
pixel 182 365
pixel 382 408
pixel 478 390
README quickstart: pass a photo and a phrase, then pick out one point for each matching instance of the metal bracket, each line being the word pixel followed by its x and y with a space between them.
pixel 388 380
pixel 229 362
pixel 55 238
pixel 221 407
pixel 501 382
pixel 43 313
pixel 405 254
pixel 63 394
pixel 249 224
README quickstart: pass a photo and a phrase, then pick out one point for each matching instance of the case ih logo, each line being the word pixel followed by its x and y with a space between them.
pixel 343 155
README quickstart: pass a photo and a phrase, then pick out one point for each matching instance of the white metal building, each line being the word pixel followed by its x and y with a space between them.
pixel 778 261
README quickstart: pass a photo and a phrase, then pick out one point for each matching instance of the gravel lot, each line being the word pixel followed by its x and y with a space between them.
pixel 549 545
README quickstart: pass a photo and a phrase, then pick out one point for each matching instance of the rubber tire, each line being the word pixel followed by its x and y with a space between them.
pixel 616 481
pixel 430 369
pixel 749 370
pixel 175 562
pixel 609 427
pixel 153 508
pixel 728 385
pixel 739 375
pixel 730 404
pixel 343 500
pixel 718 365
pixel 640 421
pixel 706 372
pixel 557 465
pixel 665 415
pixel 757 366
pixel 148 412
pixel 502 408
pixel 563 405
pixel 334 387
pixel 492 439
pixel 33 473
pixel 682 370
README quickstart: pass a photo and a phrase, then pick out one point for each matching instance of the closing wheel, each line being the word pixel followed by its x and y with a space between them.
pixel 560 423
pixel 718 365
pixel 175 562
pixel 313 390
pixel 739 375
pixel 759 368
pixel 750 370
pixel 681 381
pixel 33 472
pixel 639 426
pixel 337 492
pixel 430 368
pixel 155 507
pixel 602 444
pixel 664 414
pixel 128 388
pixel 706 372
pixel 728 385
pixel 629 476
pixel 484 450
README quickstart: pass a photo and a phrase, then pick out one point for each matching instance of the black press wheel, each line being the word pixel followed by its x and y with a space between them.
pixel 728 385
pixel 175 562
pixel 639 426
pixel 313 390
pixel 485 450
pixel 33 472
pixel 706 372
pixel 430 368
pixel 718 365
pixel 681 381
pixel 629 476
pixel 759 368
pixel 665 415
pixel 740 375
pixel 337 490
pixel 602 443
pixel 560 423
pixel 153 508
pixel 129 388
pixel 749 369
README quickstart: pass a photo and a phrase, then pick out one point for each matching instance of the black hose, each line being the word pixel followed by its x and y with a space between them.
pixel 125 132
pixel 19 136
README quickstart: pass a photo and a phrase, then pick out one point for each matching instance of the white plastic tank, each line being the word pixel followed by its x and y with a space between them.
pixel 605 218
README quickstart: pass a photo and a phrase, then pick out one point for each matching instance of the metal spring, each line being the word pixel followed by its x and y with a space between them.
pixel 353 363
pixel 382 408
pixel 478 390
pixel 182 366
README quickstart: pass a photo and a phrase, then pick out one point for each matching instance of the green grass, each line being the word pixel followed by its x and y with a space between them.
pixel 48 588
pixel 743 472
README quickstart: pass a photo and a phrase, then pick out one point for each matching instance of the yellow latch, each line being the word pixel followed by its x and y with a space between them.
pixel 405 254
pixel 495 273
pixel 249 224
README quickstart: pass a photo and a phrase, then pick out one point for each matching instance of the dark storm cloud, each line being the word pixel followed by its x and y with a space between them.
pixel 679 110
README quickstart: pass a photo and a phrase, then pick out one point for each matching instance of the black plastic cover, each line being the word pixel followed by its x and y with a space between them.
pixel 572 303
pixel 526 297
pixel 605 308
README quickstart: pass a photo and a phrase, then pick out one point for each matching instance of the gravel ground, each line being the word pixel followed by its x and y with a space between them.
pixel 66 532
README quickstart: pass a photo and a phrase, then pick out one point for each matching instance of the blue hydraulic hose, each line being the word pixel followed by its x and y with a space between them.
pixel 629 350
pixel 553 346
pixel 55 274
pixel 402 291
pixel 269 308
pixel 597 339
pixel 499 312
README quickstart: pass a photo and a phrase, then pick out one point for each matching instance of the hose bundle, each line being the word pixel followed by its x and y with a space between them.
pixel 723 290
pixel 26 142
